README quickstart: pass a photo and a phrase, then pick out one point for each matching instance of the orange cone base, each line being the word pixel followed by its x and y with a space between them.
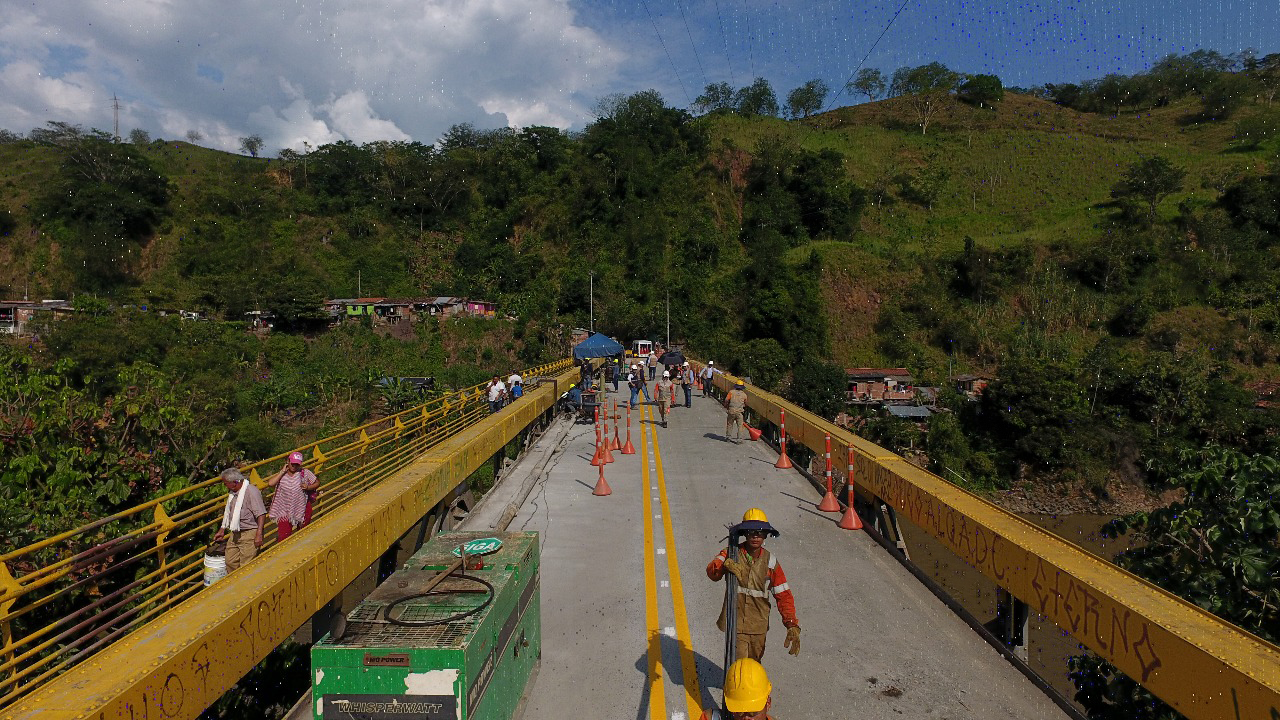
pixel 784 462
pixel 597 460
pixel 753 433
pixel 615 445
pixel 602 488
pixel 608 455
pixel 829 503
pixel 850 521
pixel 628 449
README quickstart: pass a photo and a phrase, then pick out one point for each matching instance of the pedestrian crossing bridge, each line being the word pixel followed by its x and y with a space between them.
pixel 112 620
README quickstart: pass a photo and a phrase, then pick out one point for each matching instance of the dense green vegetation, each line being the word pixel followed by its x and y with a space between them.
pixel 1112 258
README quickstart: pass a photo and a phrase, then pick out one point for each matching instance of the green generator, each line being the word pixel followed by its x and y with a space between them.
pixel 438 640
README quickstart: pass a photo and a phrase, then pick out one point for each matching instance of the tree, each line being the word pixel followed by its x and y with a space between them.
pixel 869 82
pixel 1149 180
pixel 982 90
pixel 138 136
pixel 819 387
pixel 807 99
pixel 716 97
pixel 194 136
pixel 927 90
pixel 756 99
pixel 1225 95
pixel 8 137
pixel 251 144
pixel 1254 129
pixel 1214 548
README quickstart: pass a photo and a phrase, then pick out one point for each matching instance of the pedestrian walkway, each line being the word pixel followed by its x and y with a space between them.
pixel 628 614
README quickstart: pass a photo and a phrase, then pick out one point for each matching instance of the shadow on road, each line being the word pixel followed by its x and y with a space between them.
pixel 709 674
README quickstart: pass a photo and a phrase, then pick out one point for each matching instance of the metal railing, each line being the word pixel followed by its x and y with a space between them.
pixel 66 597
pixel 1200 664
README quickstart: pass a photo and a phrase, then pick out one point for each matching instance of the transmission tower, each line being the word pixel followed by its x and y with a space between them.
pixel 115 104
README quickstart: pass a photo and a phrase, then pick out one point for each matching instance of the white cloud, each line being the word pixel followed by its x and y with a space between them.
pixel 354 119
pixel 311 70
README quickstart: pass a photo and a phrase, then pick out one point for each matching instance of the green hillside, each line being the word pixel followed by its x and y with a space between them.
pixel 788 249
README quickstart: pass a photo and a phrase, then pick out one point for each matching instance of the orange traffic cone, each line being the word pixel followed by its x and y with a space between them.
pixel 829 502
pixel 606 453
pixel 602 488
pixel 615 445
pixel 850 519
pixel 598 458
pixel 784 462
pixel 753 433
pixel 628 449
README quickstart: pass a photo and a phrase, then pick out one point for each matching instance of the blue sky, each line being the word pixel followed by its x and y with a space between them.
pixel 317 71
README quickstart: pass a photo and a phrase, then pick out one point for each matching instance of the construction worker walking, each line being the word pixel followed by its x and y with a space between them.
pixel 686 382
pixel 665 390
pixel 747 693
pixel 736 403
pixel 759 575
pixel 707 372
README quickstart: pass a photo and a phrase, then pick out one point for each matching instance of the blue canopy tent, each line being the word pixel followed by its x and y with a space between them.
pixel 597 346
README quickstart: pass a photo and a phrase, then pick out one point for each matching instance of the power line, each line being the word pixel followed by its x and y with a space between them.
pixel 725 39
pixel 751 54
pixel 668 52
pixel 901 7
pixel 692 43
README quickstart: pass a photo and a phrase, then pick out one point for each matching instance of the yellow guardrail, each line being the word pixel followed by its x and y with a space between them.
pixel 1200 664
pixel 74 596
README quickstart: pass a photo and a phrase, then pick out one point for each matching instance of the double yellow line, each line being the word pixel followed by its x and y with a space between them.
pixel 692 693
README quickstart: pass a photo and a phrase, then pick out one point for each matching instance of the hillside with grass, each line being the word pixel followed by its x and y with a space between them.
pixel 1011 239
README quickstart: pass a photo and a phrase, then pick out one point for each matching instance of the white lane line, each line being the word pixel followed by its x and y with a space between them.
pixel 677 715
pixel 669 631
pixel 664 583
pixel 662 551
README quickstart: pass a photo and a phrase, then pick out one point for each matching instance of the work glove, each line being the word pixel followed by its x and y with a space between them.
pixel 793 640
pixel 737 568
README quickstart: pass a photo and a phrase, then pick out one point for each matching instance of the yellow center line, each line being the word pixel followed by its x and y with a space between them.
pixel 692 693
pixel 657 699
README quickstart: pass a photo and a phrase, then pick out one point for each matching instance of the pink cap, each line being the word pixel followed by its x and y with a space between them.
pixel 295 458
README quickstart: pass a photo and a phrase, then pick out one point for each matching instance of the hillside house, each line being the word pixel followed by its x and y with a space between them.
pixel 879 385
pixel 18 317
pixel 971 386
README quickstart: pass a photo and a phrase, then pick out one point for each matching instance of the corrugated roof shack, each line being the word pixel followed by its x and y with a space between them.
pixel 870 386
pixel 26 317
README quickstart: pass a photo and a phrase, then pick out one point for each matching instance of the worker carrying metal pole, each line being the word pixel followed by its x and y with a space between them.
pixel 759 575
pixel 747 693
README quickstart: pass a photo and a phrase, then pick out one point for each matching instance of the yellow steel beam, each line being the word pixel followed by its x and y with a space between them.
pixel 181 663
pixel 1197 662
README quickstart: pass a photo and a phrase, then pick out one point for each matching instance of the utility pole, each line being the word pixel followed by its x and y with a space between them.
pixel 668 319
pixel 591 302
pixel 359 286
pixel 115 105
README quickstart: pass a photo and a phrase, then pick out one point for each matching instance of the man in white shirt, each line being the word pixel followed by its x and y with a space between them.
pixel 653 364
pixel 497 390
pixel 706 375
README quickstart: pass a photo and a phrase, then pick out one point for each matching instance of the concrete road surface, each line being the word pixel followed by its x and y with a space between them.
pixel 628 614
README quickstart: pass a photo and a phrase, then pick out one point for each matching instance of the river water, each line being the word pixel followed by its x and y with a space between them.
pixel 1049 646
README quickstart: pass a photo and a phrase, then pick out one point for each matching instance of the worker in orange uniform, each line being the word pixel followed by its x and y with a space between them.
pixel 747 693
pixel 759 575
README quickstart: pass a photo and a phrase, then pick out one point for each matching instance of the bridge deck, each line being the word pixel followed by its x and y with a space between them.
pixel 620 570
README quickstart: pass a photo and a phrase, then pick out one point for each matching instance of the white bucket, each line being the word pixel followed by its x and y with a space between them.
pixel 215 568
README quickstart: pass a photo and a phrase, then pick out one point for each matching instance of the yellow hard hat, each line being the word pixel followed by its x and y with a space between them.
pixel 746 686
pixel 754 514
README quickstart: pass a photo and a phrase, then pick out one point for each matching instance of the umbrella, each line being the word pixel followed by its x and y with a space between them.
pixel 671 357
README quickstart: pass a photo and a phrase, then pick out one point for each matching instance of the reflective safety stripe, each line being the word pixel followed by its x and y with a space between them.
pixel 773 561
pixel 781 588
pixel 753 593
